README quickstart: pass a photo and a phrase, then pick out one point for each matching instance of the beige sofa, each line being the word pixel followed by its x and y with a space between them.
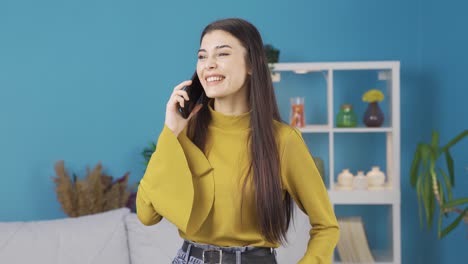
pixel 114 237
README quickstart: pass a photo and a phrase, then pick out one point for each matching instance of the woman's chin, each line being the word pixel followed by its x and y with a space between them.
pixel 214 95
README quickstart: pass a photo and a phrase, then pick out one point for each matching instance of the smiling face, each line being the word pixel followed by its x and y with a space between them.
pixel 221 66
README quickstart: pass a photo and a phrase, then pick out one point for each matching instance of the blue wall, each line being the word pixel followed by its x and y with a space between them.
pixel 444 57
pixel 87 82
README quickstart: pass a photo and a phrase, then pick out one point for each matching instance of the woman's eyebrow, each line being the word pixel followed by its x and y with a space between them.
pixel 217 47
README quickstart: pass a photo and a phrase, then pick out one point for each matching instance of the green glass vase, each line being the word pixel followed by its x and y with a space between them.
pixel 346 116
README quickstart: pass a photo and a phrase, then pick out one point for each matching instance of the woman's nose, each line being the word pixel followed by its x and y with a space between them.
pixel 210 63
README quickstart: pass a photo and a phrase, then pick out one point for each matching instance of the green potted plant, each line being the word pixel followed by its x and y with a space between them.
pixel 434 185
pixel 148 152
pixel 272 55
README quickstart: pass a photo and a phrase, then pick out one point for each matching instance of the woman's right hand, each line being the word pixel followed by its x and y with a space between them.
pixel 174 120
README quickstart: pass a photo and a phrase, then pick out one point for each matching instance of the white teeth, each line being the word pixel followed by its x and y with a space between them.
pixel 214 79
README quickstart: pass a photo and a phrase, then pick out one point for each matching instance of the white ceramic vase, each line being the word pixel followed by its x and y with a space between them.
pixel 345 180
pixel 360 181
pixel 376 178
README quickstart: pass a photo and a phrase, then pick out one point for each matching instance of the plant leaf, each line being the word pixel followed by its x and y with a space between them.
pixel 441 192
pixel 425 152
pixel 435 140
pixel 456 139
pixel 449 157
pixel 422 184
pixel 456 202
pixel 448 184
pixel 432 203
pixel 419 194
pixel 415 166
pixel 428 200
pixel 449 160
pixel 454 224
pixel 439 224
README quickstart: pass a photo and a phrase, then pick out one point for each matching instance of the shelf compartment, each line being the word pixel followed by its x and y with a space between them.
pixel 378 228
pixel 358 152
pixel 315 107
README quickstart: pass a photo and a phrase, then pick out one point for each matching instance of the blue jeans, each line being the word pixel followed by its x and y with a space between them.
pixel 181 258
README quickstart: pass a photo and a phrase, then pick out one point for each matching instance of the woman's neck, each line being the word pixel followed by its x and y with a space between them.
pixel 230 106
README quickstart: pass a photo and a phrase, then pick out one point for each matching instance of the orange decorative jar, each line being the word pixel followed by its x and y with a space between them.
pixel 297 118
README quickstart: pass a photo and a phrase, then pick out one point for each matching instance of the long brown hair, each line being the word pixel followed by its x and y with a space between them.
pixel 274 211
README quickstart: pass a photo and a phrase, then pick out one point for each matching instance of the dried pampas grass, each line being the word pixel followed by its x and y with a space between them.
pixel 95 193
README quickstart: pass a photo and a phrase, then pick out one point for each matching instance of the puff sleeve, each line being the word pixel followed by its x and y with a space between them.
pixel 177 177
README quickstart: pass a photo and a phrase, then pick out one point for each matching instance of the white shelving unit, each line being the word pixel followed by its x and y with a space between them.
pixel 390 195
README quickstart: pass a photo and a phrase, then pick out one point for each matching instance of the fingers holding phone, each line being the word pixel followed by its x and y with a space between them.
pixel 179 98
pixel 196 94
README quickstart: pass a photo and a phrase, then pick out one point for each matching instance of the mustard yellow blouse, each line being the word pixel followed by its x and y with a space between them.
pixel 200 192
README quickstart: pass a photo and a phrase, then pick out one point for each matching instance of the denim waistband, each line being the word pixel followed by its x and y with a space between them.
pixel 225 249
pixel 194 252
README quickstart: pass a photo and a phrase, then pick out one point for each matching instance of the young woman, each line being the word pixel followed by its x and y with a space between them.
pixel 227 175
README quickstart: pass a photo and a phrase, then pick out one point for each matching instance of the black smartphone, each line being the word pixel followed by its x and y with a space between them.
pixel 196 96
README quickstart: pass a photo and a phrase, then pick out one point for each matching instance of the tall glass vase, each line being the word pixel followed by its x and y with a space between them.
pixel 373 117
pixel 297 117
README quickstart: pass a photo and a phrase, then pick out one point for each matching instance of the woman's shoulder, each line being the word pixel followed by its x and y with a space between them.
pixel 285 131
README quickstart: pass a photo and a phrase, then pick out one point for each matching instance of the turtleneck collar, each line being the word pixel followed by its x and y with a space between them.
pixel 232 122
